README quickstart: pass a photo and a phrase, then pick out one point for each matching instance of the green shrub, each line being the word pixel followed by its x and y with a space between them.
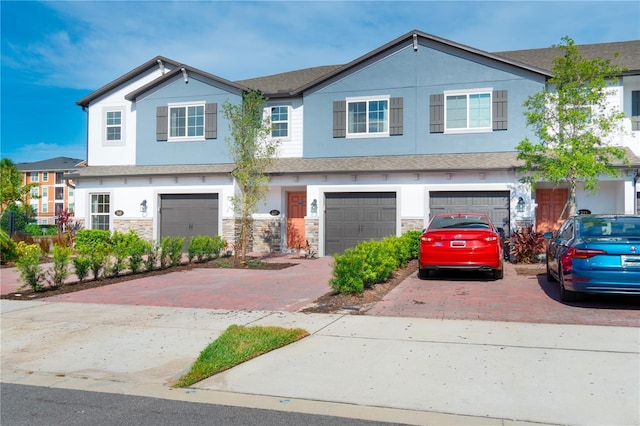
pixel 33 229
pixel 8 248
pixel 196 248
pixel 347 272
pixel 372 262
pixel 29 265
pixel 151 255
pixel 137 249
pixel 61 261
pixel 171 251
pixel 87 239
pixel 121 249
pixel 81 265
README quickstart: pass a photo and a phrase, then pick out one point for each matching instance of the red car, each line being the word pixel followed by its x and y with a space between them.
pixel 461 241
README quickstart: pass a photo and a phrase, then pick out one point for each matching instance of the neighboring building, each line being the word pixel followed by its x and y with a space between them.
pixel 419 126
pixel 54 193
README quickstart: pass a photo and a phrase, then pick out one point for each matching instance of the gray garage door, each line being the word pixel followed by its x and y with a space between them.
pixel 352 217
pixel 493 203
pixel 188 215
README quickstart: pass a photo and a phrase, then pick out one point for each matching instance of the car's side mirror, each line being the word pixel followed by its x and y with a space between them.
pixel 548 235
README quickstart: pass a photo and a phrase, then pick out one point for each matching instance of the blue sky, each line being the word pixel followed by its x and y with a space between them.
pixel 55 52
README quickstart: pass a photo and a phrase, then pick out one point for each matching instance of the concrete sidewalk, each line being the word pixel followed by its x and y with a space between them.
pixel 405 370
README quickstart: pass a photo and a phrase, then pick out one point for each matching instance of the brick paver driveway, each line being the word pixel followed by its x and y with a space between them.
pixel 523 298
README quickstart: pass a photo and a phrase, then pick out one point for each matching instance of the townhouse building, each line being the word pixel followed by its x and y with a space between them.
pixel 54 192
pixel 419 126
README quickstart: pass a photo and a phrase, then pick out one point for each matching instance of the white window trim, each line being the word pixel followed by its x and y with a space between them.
pixel 109 214
pixel 37 175
pixel 120 142
pixel 468 92
pixel 367 99
pixel 186 138
pixel 45 176
pixel 271 122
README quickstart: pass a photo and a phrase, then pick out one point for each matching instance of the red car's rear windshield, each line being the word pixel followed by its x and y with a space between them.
pixel 459 221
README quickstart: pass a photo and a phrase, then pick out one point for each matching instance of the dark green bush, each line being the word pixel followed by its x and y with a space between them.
pixel 81 266
pixel 8 248
pixel 151 255
pixel 86 239
pixel 171 251
pixel 372 262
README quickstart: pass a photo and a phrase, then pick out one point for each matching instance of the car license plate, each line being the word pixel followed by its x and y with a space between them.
pixel 630 261
pixel 458 243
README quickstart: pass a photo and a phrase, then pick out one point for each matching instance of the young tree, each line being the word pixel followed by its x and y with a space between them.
pixel 12 191
pixel 252 152
pixel 573 124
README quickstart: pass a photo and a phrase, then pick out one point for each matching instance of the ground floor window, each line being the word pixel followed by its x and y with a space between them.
pixel 100 208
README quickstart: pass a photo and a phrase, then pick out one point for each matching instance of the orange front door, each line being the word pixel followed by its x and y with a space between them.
pixel 550 205
pixel 296 211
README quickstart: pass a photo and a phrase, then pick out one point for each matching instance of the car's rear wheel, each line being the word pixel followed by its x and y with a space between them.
pixel 498 274
pixel 423 274
pixel 565 295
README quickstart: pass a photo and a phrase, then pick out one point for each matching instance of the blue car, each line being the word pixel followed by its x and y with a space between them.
pixel 595 254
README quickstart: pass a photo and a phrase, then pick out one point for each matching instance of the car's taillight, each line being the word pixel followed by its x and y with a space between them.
pixel 426 239
pixel 577 253
pixel 491 239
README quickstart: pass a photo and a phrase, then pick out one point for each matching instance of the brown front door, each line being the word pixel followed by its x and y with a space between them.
pixel 550 205
pixel 296 211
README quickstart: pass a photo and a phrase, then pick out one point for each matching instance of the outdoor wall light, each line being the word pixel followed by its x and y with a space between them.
pixel 143 206
pixel 314 207
pixel 520 205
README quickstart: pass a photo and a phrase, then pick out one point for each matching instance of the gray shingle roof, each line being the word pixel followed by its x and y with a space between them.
pixel 378 164
pixel 628 54
pixel 52 164
pixel 541 59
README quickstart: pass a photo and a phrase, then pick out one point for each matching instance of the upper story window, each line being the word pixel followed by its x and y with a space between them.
pixel 373 116
pixel 59 193
pixel 367 117
pixel 280 121
pixel 34 177
pixel 59 178
pixel 186 121
pixel 114 125
pixel 35 191
pixel 45 176
pixel 45 192
pixel 468 111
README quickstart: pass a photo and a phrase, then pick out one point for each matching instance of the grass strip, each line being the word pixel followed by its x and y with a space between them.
pixel 236 345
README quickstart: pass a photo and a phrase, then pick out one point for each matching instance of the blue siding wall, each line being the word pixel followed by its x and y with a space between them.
pixel 414 76
pixel 149 151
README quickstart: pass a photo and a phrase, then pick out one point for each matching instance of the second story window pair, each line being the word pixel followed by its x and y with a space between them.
pixel 187 122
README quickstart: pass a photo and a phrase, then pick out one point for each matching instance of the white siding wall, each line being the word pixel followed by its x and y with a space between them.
pixel 117 154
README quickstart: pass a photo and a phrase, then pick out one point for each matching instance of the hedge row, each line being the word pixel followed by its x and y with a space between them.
pixel 373 262
pixel 107 254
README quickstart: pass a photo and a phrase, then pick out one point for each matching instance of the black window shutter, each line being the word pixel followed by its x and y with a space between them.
pixel 396 109
pixel 211 121
pixel 162 123
pixel 635 110
pixel 339 119
pixel 436 113
pixel 500 110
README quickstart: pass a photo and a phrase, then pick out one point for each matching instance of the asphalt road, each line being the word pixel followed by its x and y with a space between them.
pixel 34 406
